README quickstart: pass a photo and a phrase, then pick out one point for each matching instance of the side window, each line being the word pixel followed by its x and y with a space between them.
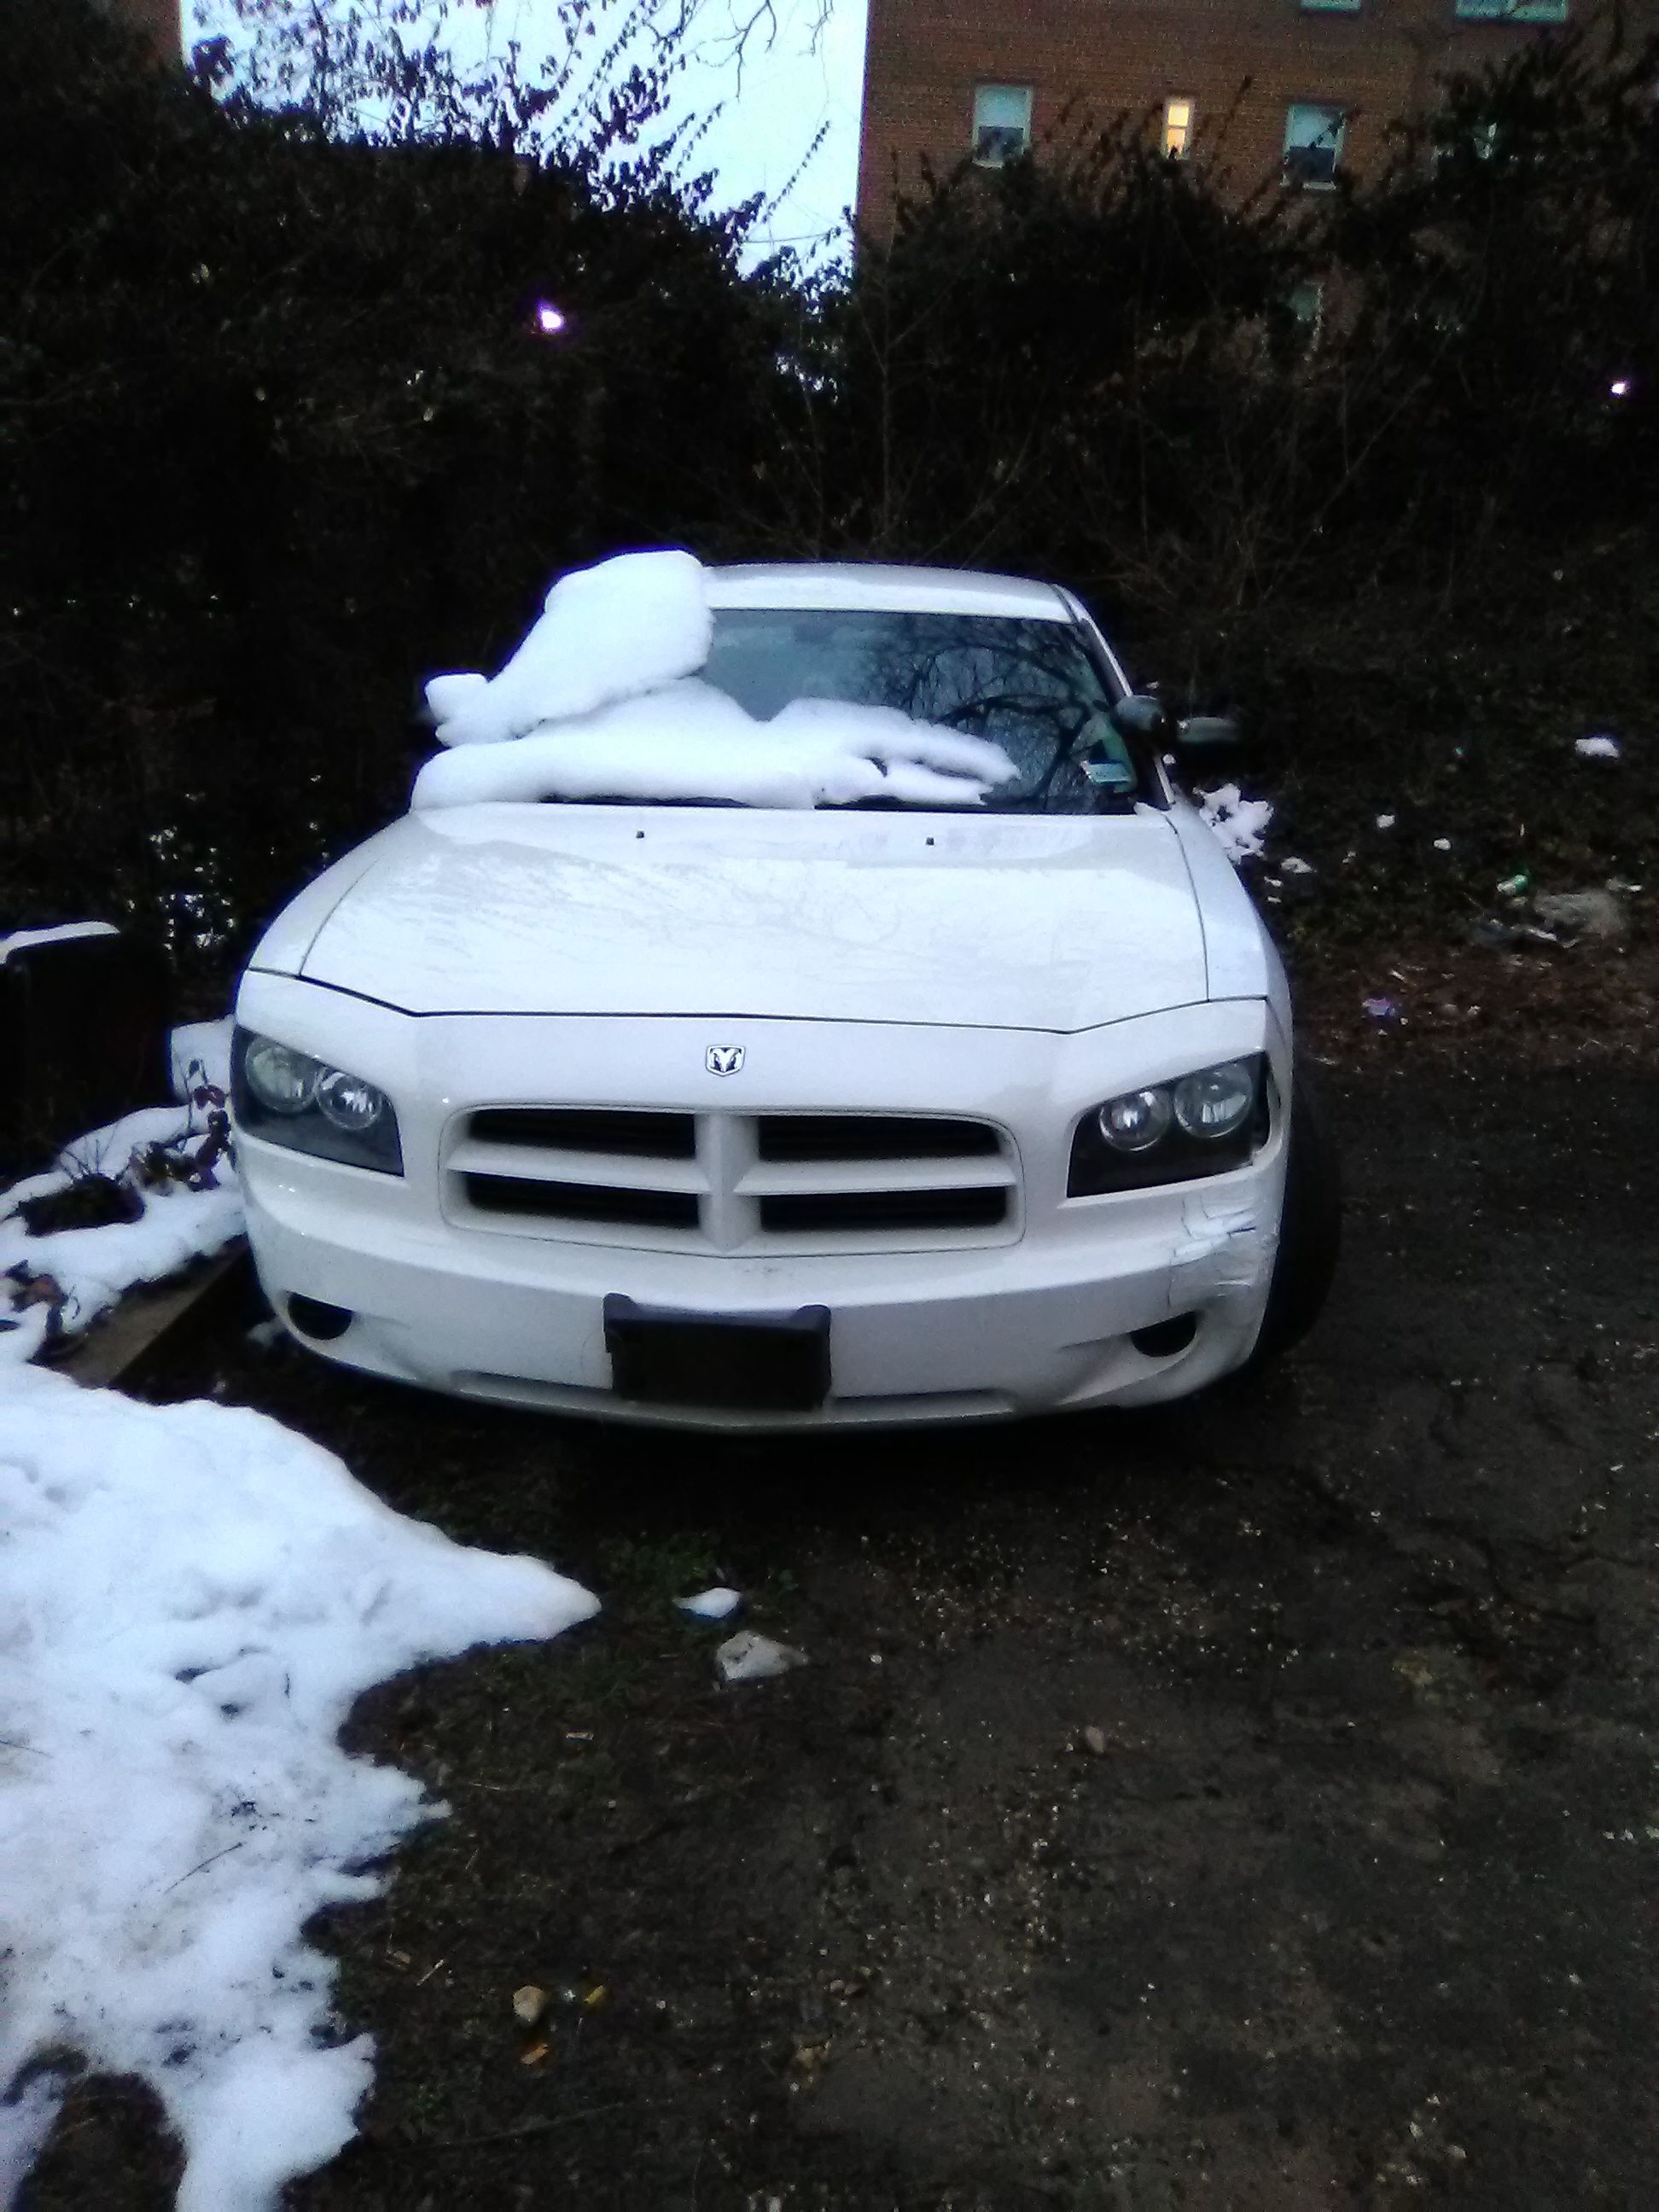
pixel 1314 132
pixel 1002 124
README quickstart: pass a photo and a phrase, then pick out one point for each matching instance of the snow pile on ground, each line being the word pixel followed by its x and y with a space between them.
pixel 191 1598
pixel 157 1190
pixel 1241 824
pixel 1598 748
pixel 689 741
pixel 628 626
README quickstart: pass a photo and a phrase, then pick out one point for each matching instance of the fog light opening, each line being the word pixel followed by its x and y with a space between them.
pixel 311 1317
pixel 1165 1338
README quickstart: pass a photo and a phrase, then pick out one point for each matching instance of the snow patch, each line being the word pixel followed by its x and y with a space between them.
pixel 1241 824
pixel 58 1283
pixel 62 933
pixel 1295 867
pixel 1599 749
pixel 191 1599
pixel 607 632
pixel 711 1605
pixel 689 741
pixel 201 1054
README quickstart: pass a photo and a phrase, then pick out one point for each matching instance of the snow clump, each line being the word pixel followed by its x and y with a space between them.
pixel 1598 748
pixel 711 1604
pixel 689 741
pixel 1241 824
pixel 192 1600
pixel 612 632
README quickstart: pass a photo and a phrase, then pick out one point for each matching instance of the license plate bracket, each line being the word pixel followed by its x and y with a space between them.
pixel 732 1363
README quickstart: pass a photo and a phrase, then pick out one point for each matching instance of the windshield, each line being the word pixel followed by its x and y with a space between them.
pixel 1029 687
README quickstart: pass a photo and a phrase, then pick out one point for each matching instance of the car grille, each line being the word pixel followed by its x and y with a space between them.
pixel 731 1182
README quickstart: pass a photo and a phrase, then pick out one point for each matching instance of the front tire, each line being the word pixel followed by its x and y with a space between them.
pixel 1309 1229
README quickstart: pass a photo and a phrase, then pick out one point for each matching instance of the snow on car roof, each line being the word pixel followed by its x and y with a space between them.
pixel 853 585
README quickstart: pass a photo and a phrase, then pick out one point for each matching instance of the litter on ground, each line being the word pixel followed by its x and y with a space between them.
pixel 751 1658
pixel 1600 913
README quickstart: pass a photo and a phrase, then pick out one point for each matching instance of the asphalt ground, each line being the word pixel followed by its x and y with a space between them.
pixel 1251 1805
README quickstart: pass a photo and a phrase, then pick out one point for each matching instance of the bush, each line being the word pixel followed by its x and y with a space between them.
pixel 281 439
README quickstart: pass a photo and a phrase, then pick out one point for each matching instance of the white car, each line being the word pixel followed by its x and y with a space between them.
pixel 957 1087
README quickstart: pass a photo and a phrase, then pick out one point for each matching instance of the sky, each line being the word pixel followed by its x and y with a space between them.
pixel 772 113
pixel 770 108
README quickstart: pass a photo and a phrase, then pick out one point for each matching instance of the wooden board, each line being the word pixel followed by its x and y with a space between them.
pixel 151 1322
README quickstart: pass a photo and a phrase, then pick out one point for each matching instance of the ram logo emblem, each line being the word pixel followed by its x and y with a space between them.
pixel 724 1059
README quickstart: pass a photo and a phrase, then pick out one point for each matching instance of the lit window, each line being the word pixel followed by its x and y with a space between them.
pixel 1333 7
pixel 1307 304
pixel 1313 142
pixel 1513 11
pixel 1177 127
pixel 1002 124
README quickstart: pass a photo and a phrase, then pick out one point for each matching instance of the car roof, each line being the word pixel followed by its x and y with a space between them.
pixel 849 586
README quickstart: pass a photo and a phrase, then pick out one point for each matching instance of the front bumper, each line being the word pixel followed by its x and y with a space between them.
pixel 1039 1323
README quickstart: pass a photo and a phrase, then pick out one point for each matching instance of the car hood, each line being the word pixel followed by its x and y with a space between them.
pixel 1056 923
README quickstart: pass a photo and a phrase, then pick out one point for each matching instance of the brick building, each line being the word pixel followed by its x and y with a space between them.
pixel 948 79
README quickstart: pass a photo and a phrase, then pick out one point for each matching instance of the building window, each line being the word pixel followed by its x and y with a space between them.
pixel 1307 305
pixel 1313 142
pixel 1177 128
pixel 1512 11
pixel 1332 7
pixel 1002 124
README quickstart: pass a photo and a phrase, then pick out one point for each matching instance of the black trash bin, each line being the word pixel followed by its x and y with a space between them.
pixel 85 1013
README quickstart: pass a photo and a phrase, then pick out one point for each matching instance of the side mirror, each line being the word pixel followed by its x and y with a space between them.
pixel 1208 733
pixel 1138 716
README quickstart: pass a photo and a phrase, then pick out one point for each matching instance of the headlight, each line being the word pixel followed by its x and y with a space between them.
pixel 289 1098
pixel 1195 1125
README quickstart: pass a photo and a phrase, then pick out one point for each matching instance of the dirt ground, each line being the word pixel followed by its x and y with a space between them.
pixel 1248 1805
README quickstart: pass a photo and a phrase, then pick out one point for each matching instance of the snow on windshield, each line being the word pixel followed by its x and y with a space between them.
pixel 689 742
pixel 612 632
pixel 190 1599
pixel 601 700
